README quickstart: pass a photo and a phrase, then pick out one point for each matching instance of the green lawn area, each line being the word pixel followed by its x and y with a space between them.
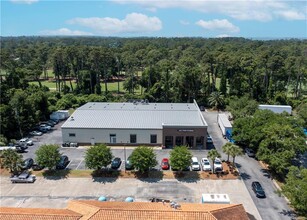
pixel 112 86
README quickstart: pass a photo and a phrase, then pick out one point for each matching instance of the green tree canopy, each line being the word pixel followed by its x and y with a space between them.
pixel 11 160
pixel 216 99
pixel 143 158
pixel 212 154
pixel 295 189
pixel 227 149
pixel 98 156
pixel 48 156
pixel 235 151
pixel 180 158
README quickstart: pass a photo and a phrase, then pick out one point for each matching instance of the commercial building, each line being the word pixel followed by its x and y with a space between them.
pixel 137 123
pixel 89 209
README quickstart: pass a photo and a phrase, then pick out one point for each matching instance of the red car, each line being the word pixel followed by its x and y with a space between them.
pixel 165 164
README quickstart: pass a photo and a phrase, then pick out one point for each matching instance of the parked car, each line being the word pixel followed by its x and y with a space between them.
pixel 48 127
pixel 165 164
pixel 249 152
pixel 27 164
pixel 128 164
pixel 116 162
pixel 218 166
pixel 21 148
pixel 26 141
pixel 63 162
pixel 42 129
pixel 195 164
pixel 37 167
pixel 206 164
pixel 209 139
pixel 257 188
pixel 55 120
pixel 51 122
pixel 36 133
pixel 24 177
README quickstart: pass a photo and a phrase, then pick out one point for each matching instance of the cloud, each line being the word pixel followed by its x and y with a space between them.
pixel 65 31
pixel 291 15
pixel 260 10
pixel 132 23
pixel 222 35
pixel 218 25
pixel 183 22
pixel 24 1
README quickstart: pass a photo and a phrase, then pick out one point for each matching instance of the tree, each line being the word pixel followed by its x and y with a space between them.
pixel 212 154
pixel 98 156
pixel 216 99
pixel 295 189
pixel 11 160
pixel 180 158
pixel 227 149
pixel 143 158
pixel 48 156
pixel 235 151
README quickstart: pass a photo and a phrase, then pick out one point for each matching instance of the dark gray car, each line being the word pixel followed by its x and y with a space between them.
pixel 24 177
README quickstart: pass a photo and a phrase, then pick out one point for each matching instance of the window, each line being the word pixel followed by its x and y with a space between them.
pixel 112 138
pixel 168 141
pixel 153 138
pixel 132 138
pixel 200 141
pixel 179 140
pixel 72 135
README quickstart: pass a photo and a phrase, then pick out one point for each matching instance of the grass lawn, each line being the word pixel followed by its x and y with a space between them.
pixel 112 86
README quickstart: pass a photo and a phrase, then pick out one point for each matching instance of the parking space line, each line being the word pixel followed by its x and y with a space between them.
pixel 68 164
pixel 79 164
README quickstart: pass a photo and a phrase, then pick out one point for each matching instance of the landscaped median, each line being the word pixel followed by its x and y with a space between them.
pixel 108 173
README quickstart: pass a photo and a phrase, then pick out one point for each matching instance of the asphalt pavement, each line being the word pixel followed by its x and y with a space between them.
pixel 273 206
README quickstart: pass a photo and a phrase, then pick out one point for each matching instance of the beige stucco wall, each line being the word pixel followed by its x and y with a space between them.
pixel 85 135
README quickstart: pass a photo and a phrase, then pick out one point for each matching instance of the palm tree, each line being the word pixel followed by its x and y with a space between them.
pixel 212 154
pixel 235 151
pixel 216 99
pixel 11 160
pixel 227 148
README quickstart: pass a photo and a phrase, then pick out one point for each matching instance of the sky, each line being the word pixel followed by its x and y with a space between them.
pixel 155 18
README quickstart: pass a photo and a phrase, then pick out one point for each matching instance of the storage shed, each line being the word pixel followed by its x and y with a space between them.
pixel 137 123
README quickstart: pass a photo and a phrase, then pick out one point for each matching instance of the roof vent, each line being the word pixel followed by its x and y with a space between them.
pixel 175 205
pixel 146 101
pixel 72 119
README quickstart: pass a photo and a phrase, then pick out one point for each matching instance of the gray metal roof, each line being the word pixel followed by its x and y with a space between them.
pixel 135 116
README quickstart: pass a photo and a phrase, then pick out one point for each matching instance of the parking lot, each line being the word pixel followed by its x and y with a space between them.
pixel 76 155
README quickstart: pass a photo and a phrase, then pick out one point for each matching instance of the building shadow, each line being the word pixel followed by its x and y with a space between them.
pixel 56 174
pixel 250 216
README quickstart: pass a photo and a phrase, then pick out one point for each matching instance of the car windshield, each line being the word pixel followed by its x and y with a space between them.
pixel 217 162
pixel 195 163
pixel 206 163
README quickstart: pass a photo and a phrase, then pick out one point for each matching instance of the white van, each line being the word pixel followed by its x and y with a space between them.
pixel 195 164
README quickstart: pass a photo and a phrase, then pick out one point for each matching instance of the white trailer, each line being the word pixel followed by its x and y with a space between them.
pixel 59 115
pixel 277 108
pixel 224 124
pixel 215 199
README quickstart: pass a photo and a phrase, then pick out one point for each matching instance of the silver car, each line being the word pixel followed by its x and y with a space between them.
pixel 24 177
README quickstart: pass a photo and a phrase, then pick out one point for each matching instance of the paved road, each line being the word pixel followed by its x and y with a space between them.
pixel 272 207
